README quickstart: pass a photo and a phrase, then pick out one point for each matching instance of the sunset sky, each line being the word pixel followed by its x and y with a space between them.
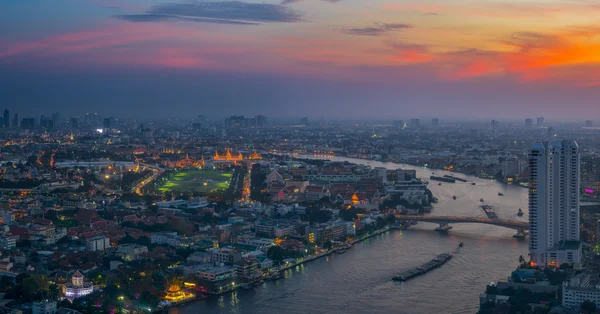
pixel 345 58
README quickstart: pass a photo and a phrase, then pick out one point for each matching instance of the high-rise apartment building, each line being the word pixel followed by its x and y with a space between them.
pixel 6 121
pixel 540 121
pixel 528 123
pixel 554 203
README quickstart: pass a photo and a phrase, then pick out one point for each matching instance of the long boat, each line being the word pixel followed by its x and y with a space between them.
pixel 425 268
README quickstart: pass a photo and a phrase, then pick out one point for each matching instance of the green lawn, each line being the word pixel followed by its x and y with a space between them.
pixel 203 181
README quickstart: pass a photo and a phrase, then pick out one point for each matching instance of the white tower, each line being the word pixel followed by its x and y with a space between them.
pixel 554 203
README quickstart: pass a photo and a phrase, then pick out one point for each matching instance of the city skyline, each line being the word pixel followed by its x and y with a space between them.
pixel 301 58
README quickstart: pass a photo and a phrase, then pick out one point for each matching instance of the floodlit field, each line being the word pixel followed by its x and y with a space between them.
pixel 203 181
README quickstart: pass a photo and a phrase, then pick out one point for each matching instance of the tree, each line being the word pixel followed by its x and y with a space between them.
pixel 126 239
pixel 318 215
pixel 149 299
pixel 328 244
pixel 143 240
pixel 380 222
pixel 588 306
pixel 35 287
pixel 277 253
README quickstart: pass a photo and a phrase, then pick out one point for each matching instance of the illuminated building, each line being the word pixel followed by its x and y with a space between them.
pixel 255 156
pixel 77 287
pixel 554 203
pixel 188 162
pixel 175 294
pixel 355 199
pixel 228 156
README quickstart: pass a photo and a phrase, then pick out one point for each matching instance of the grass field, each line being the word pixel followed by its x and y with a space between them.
pixel 203 181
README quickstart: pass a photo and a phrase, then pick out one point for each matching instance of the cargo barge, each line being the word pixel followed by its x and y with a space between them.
pixel 425 268
pixel 448 180
pixel 455 178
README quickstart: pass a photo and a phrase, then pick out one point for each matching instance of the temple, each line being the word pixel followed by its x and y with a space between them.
pixel 188 162
pixel 77 288
pixel 175 294
pixel 228 156
pixel 255 156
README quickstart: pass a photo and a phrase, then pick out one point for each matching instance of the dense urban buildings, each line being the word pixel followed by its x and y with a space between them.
pixel 115 209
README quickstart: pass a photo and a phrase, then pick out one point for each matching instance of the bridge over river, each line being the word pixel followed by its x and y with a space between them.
pixel 445 221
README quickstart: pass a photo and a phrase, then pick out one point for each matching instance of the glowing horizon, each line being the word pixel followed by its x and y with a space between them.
pixel 530 44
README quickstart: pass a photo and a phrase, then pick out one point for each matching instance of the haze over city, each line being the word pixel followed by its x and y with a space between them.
pixel 299 156
pixel 318 58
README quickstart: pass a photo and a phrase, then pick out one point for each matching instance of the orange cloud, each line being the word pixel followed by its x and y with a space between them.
pixel 412 56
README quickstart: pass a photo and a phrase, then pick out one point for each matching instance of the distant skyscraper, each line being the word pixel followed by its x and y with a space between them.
pixel 415 124
pixel 87 118
pixel 540 121
pixel 74 123
pixel 399 124
pixel 28 123
pixel 554 203
pixel 551 133
pixel 495 127
pixel 528 123
pixel 589 123
pixel 106 123
pixel 261 121
pixel 304 121
pixel 15 123
pixel 43 122
pixel 56 118
pixel 435 122
pixel 6 122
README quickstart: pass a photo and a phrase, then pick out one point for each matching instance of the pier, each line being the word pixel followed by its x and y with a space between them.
pixel 425 268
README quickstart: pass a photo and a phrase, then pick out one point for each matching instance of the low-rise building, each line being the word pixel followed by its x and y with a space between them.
pixel 275 228
pixel 131 251
pixel 216 279
pixel 97 243
pixel 577 290
pixel 8 241
pixel 43 307
pixel 226 256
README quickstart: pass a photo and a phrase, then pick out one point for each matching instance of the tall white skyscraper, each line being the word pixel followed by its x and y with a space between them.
pixel 554 203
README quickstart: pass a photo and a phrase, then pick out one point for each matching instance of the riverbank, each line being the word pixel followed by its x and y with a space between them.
pixel 400 162
pixel 291 265
pixel 329 252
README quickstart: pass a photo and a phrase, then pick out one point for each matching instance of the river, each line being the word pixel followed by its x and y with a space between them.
pixel 359 281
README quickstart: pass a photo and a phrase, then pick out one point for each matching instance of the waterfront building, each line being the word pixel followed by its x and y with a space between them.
pixel 554 203
pixel 512 166
pixel 330 231
pixel 227 256
pixel 275 228
pixel 175 294
pixel 77 287
pixel 247 270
